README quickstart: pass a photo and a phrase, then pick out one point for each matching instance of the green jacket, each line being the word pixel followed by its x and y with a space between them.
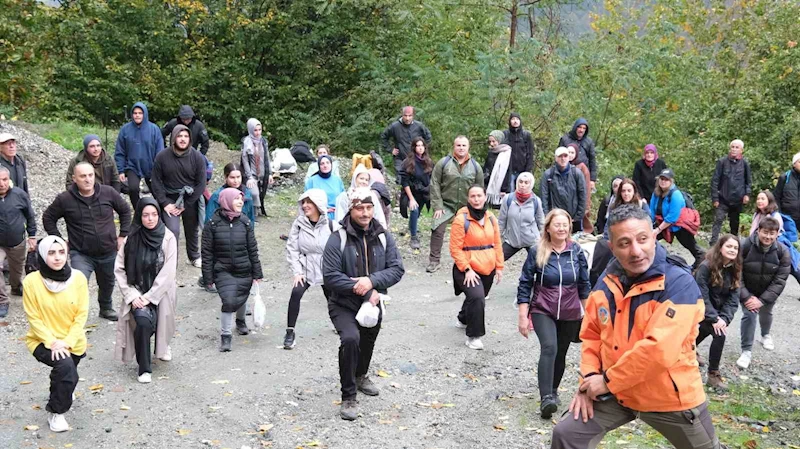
pixel 105 170
pixel 450 183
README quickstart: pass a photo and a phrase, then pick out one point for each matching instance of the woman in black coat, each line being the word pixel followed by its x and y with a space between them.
pixel 646 170
pixel 230 259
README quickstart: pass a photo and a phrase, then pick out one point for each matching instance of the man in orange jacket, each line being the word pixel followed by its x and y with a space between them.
pixel 638 354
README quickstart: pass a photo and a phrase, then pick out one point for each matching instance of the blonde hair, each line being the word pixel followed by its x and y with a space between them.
pixel 545 244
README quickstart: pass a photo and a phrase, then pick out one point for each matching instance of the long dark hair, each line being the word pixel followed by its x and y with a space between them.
pixel 636 200
pixel 716 263
pixel 427 163
pixel 230 168
pixel 772 205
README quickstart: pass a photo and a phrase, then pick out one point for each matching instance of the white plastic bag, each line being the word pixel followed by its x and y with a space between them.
pixel 368 315
pixel 259 309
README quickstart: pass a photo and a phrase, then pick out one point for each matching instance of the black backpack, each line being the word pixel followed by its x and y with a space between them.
pixel 301 152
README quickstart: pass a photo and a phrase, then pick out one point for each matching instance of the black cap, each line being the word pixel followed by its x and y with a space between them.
pixel 667 173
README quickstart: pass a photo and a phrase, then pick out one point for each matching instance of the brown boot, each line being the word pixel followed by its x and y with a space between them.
pixel 715 380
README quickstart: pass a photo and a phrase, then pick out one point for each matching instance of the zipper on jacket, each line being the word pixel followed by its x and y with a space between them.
pixel 560 280
pixel 366 255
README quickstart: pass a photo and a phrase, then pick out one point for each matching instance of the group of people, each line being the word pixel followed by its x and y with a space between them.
pixel 342 242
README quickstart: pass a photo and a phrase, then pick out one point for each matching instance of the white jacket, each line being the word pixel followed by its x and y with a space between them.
pixel 307 242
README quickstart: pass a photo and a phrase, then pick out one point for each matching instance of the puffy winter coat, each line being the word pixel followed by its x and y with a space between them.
pixel 557 288
pixel 764 272
pixel 230 258
pixel 137 145
pixel 721 301
pixel 247 209
pixel 450 182
pixel 521 224
pixel 363 255
pixel 563 190
pixel 645 177
pixel 787 194
pixel 307 241
pixel 586 152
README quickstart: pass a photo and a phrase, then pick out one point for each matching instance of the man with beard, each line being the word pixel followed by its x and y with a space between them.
pixel 197 129
pixel 105 169
pixel 179 178
pixel 523 151
pixel 138 143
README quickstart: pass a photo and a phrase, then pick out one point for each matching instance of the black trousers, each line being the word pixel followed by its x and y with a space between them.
pixel 723 210
pixel 145 328
pixel 356 344
pixel 191 228
pixel 554 338
pixel 262 192
pixel 509 251
pixel 133 186
pixel 717 345
pixel 294 302
pixel 63 378
pixel 689 242
pixel 474 305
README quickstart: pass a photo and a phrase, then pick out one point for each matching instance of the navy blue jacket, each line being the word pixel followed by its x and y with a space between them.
pixel 137 145
pixel 557 288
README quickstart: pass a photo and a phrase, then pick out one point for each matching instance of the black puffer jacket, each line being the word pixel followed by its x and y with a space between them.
pixel 764 273
pixel 338 267
pixel 230 258
pixel 787 194
pixel 720 300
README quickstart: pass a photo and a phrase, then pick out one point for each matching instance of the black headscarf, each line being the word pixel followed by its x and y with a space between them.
pixel 61 275
pixel 319 162
pixel 142 249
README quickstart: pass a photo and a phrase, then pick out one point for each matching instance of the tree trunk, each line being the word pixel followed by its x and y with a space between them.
pixel 512 41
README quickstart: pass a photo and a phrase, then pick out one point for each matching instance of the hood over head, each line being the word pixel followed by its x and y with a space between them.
pixel 579 122
pixel 375 175
pixel 512 115
pixel 360 168
pixel 143 107
pixel 88 139
pixel 178 128
pixel 185 112
pixel 318 197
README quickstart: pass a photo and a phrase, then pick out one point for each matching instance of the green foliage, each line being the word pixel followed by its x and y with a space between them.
pixel 70 134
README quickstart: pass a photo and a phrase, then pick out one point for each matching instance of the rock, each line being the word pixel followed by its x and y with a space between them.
pixel 108 429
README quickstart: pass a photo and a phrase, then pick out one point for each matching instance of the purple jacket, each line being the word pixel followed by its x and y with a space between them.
pixel 558 287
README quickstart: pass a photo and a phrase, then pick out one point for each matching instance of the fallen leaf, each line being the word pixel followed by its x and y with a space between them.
pixel 36 407
pixel 314 443
pixel 337 402
pixel 183 432
pixel 382 373
pixel 765 429
pixel 495 332
pixel 220 382
pixel 471 377
pixel 796 392
pixel 402 428
pixel 450 375
pixel 385 421
pixel 448 405
pixel 31 427
pixel 621 442
pixel 423 404
pixel 297 429
pixel 25 382
pixel 499 427
pixel 263 428
pixel 68 445
pixel 124 407
pixel 542 431
pixel 228 393
pixel 751 444
pixel 213 408
pixel 96 387
pixel 163 377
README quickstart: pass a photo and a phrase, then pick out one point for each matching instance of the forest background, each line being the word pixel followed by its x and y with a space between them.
pixel 687 75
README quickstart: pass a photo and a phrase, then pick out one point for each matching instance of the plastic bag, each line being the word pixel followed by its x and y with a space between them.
pixel 369 315
pixel 259 309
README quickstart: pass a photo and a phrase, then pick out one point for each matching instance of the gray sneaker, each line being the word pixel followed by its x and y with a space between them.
pixel 366 386
pixel 349 412
pixel 3 310
pixel 415 242
pixel 432 267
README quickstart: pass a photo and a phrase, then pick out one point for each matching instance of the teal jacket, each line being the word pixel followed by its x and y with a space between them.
pixel 248 209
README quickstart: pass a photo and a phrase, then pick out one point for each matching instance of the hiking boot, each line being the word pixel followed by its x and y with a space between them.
pixel 366 386
pixel 548 406
pixel 767 343
pixel 288 339
pixel 17 291
pixel 415 242
pixel 241 327
pixel 348 411
pixel 432 267
pixel 700 360
pixel 715 380
pixel 108 314
pixel 474 343
pixel 744 359
pixel 3 310
pixel 225 343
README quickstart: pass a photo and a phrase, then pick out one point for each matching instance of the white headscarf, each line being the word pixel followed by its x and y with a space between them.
pixel 44 247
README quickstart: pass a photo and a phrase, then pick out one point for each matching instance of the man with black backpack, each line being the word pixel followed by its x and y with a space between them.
pixel 730 189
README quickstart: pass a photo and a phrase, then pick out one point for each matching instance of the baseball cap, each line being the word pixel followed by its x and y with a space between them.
pixel 5 137
pixel 667 173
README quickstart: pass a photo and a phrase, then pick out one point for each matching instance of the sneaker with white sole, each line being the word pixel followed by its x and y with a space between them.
pixel 459 324
pixel 145 378
pixel 767 343
pixel 57 422
pixel 474 343
pixel 197 263
pixel 744 359
pixel 167 355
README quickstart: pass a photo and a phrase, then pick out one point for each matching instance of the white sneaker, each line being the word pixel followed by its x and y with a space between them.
pixel 57 422
pixel 459 324
pixel 767 343
pixel 167 355
pixel 197 263
pixel 74 397
pixel 145 378
pixel 474 343
pixel 744 359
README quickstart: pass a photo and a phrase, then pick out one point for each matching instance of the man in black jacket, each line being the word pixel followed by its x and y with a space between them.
pixel 766 264
pixel 787 192
pixel 730 189
pixel 16 220
pixel 9 159
pixel 368 263
pixel 402 131
pixel 179 178
pixel 88 211
pixel 197 129
pixel 523 151
pixel 563 187
pixel 579 135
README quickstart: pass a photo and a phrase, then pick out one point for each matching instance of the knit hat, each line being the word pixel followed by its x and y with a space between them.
pixel 795 158
pixel 360 196
pixel 88 139
pixel 498 135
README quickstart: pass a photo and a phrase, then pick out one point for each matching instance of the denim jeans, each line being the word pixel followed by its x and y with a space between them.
pixel 103 268
pixel 413 219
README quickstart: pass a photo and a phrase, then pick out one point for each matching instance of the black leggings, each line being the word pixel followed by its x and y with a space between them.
pixel 554 339
pixel 145 328
pixel 472 310
pixel 717 345
pixel 294 302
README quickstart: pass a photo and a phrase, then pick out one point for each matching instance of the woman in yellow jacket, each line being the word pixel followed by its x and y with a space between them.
pixel 56 301
pixel 478 260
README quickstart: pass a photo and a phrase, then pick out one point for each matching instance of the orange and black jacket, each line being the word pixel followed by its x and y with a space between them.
pixel 479 247
pixel 640 335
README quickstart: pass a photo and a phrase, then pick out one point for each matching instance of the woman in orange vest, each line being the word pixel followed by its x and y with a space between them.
pixel 478 260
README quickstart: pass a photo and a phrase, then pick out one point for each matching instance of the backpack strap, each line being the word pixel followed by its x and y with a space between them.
pixel 343 239
pixel 466 223
pixel 508 200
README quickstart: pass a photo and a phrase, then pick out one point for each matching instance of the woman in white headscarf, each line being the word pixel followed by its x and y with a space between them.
pixel 361 178
pixel 56 301
pixel 255 161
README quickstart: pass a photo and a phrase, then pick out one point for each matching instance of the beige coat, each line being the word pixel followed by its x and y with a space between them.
pixel 163 294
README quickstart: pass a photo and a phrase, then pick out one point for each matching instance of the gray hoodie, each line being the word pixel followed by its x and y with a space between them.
pixel 307 241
